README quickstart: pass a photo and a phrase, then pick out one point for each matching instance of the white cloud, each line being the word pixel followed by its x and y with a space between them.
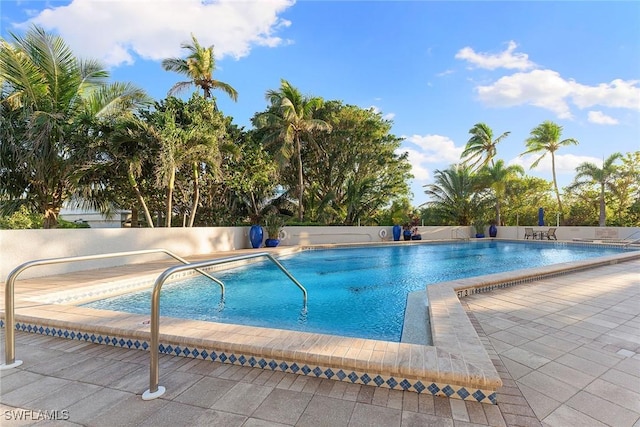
pixel 505 59
pixel 548 90
pixel 436 148
pixel 418 161
pixel 155 30
pixel 389 116
pixel 618 94
pixel 600 118
pixel 542 88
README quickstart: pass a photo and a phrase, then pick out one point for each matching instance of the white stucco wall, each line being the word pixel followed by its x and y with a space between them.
pixel 20 246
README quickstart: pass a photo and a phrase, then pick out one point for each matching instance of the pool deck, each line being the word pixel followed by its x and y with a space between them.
pixel 565 349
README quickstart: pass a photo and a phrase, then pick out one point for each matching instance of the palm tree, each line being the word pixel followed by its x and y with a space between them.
pixel 51 103
pixel 498 177
pixel 481 147
pixel 128 150
pixel 289 120
pixel 198 67
pixel 456 195
pixel 545 138
pixel 589 174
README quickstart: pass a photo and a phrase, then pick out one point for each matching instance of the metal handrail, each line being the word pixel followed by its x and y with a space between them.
pixel 155 390
pixel 9 303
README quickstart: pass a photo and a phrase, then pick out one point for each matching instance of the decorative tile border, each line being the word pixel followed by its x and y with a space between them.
pixel 337 374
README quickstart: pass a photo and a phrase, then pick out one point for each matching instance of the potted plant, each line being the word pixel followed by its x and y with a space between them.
pixel 273 223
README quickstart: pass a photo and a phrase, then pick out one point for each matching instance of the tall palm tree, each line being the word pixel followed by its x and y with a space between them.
pixel 198 66
pixel 289 121
pixel 497 178
pixel 588 174
pixel 481 147
pixel 545 138
pixel 51 102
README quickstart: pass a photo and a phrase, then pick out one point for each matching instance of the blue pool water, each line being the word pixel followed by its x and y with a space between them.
pixel 357 292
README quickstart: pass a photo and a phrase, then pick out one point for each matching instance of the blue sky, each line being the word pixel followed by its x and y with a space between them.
pixel 433 68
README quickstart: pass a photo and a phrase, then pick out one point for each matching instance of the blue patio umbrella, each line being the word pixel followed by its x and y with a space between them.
pixel 540 217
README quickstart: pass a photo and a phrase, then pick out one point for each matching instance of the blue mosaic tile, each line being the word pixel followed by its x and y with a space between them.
pixel 366 379
pixel 86 337
pixel 493 398
pixel 317 371
pixel 391 382
pixel 329 373
pixel 114 340
pixel 1 323
pixel 145 345
pixel 121 342
pixel 479 395
pixel 168 349
pixel 186 351
pixel 233 358
pixel 252 361
pixel 41 329
pixel 222 357
pixel 340 374
pixel 66 335
pixel 213 355
pixel 283 366
pixel 433 388
pixel 273 365
pixel 378 380
pixel 406 385
pixel 353 377
pixel 204 354
pixel 160 348
pixel 47 331
pixel 419 387
pixel 135 344
pixel 242 359
pixel 129 343
pixel 195 352
pixel 294 368
pixel 306 370
pixel 463 393
pixel 448 391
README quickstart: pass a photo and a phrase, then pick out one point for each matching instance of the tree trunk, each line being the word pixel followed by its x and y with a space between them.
pixel 172 181
pixel 300 180
pixel 196 194
pixel 136 189
pixel 555 187
pixel 603 209
pixel 51 214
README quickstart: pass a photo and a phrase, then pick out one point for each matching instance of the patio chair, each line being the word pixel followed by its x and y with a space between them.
pixel 551 234
pixel 528 232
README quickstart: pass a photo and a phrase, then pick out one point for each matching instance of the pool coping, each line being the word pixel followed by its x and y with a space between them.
pixel 456 366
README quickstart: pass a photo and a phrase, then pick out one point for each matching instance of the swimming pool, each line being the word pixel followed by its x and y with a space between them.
pixel 357 292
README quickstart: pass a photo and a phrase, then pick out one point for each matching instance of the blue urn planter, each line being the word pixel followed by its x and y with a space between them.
pixel 255 236
pixel 397 231
pixel 271 243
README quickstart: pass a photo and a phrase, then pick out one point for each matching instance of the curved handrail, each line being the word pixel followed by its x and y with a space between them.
pixel 9 303
pixel 155 390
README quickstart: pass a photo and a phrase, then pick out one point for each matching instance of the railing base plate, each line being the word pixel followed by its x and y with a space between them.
pixel 147 395
pixel 10 365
